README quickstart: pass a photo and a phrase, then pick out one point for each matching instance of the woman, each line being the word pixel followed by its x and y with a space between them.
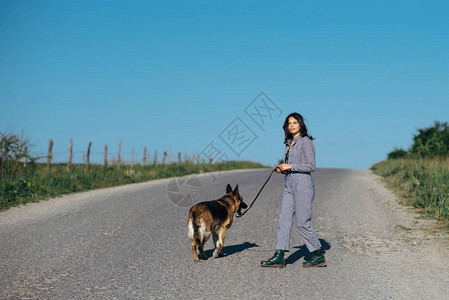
pixel 299 191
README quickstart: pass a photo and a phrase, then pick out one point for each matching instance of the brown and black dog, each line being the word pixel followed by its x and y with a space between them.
pixel 213 218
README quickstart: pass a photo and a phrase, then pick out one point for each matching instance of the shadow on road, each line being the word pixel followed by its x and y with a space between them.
pixel 229 250
pixel 303 252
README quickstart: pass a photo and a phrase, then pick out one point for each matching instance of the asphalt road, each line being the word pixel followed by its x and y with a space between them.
pixel 131 243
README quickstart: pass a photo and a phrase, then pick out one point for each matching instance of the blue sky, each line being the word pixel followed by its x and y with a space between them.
pixel 178 75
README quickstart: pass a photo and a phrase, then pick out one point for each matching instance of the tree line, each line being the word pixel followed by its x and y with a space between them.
pixel 429 142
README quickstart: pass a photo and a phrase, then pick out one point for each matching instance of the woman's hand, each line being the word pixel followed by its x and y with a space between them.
pixel 283 168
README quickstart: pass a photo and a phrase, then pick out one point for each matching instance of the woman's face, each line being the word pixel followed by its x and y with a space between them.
pixel 293 126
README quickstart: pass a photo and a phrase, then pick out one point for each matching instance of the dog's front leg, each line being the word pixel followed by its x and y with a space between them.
pixel 220 242
pixel 216 244
pixel 201 249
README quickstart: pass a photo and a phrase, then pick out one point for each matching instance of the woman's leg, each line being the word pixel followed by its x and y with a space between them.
pixel 285 221
pixel 284 229
pixel 303 207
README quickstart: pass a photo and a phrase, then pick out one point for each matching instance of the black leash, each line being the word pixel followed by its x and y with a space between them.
pixel 257 194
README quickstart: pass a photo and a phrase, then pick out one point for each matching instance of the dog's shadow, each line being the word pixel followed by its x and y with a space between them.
pixel 303 252
pixel 229 250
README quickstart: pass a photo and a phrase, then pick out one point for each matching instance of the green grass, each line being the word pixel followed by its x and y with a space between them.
pixel 421 183
pixel 35 182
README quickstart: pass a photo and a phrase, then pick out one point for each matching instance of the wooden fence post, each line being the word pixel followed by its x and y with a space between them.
pixel 25 157
pixel 197 158
pixel 179 158
pixel 165 158
pixel 119 152
pixel 49 156
pixel 105 155
pixel 88 155
pixel 69 162
pixel 171 157
pixel 192 160
pixel 132 158
pixel 155 157
pixel 144 156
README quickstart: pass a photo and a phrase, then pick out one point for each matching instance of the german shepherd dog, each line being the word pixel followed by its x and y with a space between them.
pixel 213 218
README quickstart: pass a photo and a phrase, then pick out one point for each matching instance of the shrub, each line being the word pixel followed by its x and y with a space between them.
pixel 13 149
pixel 432 141
pixel 397 153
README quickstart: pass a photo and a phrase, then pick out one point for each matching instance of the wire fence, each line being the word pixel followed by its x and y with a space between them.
pixel 80 157
pixel 108 158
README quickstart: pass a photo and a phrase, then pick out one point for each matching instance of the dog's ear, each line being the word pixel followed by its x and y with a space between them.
pixel 228 189
pixel 236 190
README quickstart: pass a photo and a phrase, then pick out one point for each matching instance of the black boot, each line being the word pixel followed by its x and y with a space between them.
pixel 277 261
pixel 317 259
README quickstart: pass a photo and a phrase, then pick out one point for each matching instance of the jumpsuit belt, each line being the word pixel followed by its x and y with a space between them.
pixel 297 172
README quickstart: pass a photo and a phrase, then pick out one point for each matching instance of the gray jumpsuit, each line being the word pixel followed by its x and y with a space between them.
pixel 298 195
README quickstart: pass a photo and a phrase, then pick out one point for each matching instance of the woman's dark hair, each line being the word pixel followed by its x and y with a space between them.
pixel 302 127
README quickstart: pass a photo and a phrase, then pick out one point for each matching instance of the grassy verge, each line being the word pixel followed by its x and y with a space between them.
pixel 36 183
pixel 421 183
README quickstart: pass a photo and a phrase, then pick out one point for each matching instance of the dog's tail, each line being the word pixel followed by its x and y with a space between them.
pixel 193 229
